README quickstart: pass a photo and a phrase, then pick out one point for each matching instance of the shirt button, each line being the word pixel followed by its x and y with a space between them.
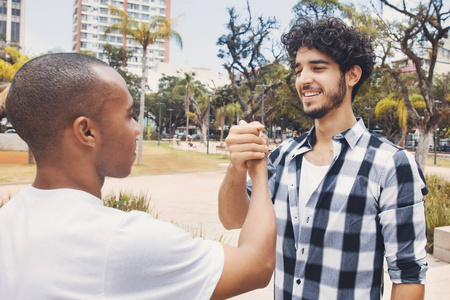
pixel 299 281
pixel 303 250
pixel 307 220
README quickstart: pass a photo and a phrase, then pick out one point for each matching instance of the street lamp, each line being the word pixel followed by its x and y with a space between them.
pixel 369 109
pixel 262 101
pixel 159 127
pixel 170 122
pixel 207 133
pixel 436 132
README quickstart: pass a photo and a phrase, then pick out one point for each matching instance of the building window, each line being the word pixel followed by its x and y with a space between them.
pixel 84 26
pixel 84 35
pixel 15 12
pixel 103 19
pixel 3 30
pixel 119 39
pixel 133 6
pixel 3 10
pixel 102 10
pixel 84 8
pixel 162 11
pixel 15 31
pixel 145 17
pixel 112 39
pixel 16 1
pixel 83 44
pixel 84 17
pixel 145 8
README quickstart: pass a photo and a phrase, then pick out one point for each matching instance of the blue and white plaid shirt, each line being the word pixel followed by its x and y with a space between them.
pixel 369 205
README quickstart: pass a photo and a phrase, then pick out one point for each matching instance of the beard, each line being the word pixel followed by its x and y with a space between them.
pixel 335 99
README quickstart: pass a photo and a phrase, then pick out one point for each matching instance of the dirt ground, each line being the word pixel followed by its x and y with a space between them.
pixel 13 157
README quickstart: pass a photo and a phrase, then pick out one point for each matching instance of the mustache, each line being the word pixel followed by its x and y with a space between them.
pixel 310 87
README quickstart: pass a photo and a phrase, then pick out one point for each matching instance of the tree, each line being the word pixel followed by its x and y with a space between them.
pixel 146 34
pixel 242 52
pixel 196 94
pixel 10 62
pixel 419 36
pixel 170 100
pixel 321 8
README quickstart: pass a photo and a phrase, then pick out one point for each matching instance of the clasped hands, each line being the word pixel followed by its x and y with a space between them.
pixel 248 147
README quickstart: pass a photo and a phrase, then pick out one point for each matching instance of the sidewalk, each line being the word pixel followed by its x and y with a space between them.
pixel 190 199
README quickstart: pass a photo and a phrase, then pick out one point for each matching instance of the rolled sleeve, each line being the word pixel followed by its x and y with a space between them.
pixel 402 219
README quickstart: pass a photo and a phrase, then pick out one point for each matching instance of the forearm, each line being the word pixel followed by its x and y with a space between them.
pixel 233 199
pixel 408 291
pixel 258 232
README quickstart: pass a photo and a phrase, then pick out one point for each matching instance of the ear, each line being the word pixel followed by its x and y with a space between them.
pixel 85 131
pixel 353 75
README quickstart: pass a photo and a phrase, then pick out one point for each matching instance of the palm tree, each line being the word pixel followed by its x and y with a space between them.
pixel 144 33
pixel 398 105
pixel 230 111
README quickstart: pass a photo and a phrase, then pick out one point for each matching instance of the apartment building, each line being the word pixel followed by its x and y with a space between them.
pixel 12 13
pixel 91 18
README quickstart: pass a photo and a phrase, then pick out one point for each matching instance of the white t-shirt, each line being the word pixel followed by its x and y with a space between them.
pixel 310 178
pixel 64 244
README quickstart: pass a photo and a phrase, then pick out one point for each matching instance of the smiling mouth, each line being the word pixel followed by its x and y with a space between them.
pixel 310 94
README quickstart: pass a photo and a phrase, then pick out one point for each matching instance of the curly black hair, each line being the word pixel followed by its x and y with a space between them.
pixel 331 36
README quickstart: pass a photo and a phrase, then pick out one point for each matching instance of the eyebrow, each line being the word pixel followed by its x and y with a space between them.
pixel 314 62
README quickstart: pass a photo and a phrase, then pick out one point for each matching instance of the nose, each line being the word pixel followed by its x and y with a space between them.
pixel 304 78
pixel 137 128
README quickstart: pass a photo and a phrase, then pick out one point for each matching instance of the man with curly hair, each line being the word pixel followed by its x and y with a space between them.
pixel 344 196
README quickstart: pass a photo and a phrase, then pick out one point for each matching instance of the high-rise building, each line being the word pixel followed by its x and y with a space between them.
pixel 12 14
pixel 91 18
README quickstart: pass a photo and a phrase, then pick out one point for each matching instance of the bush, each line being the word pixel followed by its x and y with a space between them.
pixel 437 206
pixel 127 202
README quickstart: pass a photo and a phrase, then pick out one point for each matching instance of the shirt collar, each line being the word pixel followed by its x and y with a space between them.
pixel 351 135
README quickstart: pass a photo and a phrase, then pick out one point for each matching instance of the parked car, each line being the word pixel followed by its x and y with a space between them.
pixel 12 130
pixel 195 137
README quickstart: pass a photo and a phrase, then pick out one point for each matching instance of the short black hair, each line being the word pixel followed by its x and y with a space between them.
pixel 48 93
pixel 345 44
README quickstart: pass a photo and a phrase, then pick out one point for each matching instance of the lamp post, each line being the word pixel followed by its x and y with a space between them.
pixel 159 127
pixel 436 132
pixel 369 109
pixel 148 125
pixel 207 132
pixel 170 122
pixel 262 101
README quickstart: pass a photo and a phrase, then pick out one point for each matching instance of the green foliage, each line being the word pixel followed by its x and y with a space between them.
pixel 10 63
pixel 437 206
pixel 126 201
pixel 320 8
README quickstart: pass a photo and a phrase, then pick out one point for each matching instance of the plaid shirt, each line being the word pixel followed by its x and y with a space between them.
pixel 369 205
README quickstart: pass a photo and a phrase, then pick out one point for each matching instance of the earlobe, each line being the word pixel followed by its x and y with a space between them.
pixel 353 75
pixel 84 131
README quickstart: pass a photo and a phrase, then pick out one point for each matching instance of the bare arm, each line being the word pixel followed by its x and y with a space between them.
pixel 251 264
pixel 408 291
pixel 244 143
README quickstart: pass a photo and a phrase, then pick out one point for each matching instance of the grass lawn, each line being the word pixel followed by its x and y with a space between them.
pixel 156 159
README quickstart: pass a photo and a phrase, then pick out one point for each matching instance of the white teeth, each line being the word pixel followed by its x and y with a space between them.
pixel 309 94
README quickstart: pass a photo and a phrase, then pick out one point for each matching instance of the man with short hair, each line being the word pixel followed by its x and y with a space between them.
pixel 344 196
pixel 58 241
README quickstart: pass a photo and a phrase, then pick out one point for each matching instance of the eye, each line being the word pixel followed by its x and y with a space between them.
pixel 298 72
pixel 319 68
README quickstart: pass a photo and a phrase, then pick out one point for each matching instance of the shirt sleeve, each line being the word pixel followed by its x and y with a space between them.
pixel 402 219
pixel 152 259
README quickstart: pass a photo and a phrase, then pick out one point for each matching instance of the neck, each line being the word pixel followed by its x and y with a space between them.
pixel 334 122
pixel 57 177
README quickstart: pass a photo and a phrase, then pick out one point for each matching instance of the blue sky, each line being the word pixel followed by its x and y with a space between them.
pixel 201 22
